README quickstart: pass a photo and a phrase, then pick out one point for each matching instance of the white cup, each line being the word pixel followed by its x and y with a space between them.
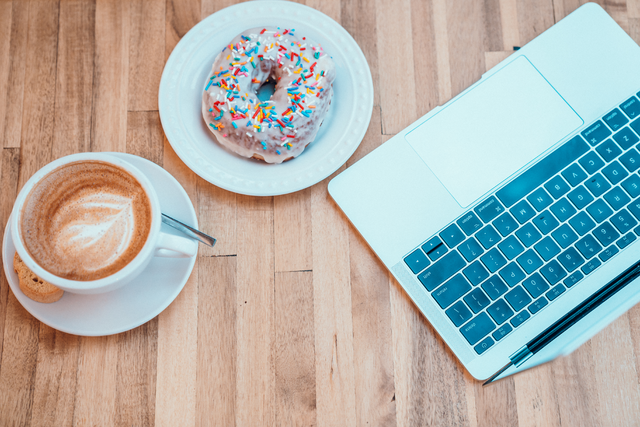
pixel 158 243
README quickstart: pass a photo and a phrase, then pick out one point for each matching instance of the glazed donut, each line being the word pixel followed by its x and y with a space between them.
pixel 278 129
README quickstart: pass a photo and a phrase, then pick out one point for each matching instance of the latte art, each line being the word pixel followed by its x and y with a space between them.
pixel 86 220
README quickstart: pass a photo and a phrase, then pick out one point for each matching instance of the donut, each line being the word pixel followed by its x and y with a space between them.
pixel 281 128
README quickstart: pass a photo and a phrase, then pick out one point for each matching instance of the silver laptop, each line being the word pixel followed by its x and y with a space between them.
pixel 511 214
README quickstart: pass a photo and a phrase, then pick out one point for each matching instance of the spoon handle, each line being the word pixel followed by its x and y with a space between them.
pixel 189 231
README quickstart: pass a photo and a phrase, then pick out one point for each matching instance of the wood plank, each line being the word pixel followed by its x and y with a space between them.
pixel 295 388
pixel 136 375
pixel 496 403
pixel 255 327
pixel 633 9
pixel 634 29
pixel 55 381
pixel 180 17
pixel 509 23
pixel 425 56
pixel 96 390
pixel 144 135
pixel 218 307
pixel 395 51
pixel 491 59
pixel 372 139
pixel 292 231
pixel 331 8
pixel 146 53
pixel 40 84
pixel 74 78
pixel 12 97
pixel 531 24
pixel 335 382
pixel 441 34
pixel 493 26
pixel 5 60
pixel 358 17
pixel 212 6
pixel 536 397
pixel 111 79
pixel 372 341
pixel 466 33
pixel 217 214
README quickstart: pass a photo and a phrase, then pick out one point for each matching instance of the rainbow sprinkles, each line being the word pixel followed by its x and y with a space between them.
pixel 278 129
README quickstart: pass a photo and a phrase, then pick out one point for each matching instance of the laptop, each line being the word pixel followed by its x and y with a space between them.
pixel 511 214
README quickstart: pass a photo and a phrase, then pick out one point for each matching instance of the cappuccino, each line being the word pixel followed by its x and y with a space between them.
pixel 85 220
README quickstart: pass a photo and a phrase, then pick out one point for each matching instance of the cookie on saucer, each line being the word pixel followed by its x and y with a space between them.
pixel 33 286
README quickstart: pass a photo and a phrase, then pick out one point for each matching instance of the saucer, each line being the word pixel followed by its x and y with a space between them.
pixel 133 304
pixel 184 78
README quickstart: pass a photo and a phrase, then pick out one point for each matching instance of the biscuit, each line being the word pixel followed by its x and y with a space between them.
pixel 33 286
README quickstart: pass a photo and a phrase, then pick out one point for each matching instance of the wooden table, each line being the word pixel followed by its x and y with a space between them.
pixel 290 319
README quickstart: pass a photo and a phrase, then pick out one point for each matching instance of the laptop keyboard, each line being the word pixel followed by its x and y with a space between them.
pixel 518 251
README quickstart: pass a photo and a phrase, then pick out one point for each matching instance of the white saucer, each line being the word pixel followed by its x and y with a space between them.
pixel 183 81
pixel 135 303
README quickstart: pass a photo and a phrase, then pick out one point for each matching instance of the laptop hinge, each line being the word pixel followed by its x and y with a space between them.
pixel 520 356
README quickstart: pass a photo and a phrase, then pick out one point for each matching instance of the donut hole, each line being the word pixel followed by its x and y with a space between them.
pixel 266 90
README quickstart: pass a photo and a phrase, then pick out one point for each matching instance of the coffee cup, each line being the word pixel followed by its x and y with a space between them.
pixel 90 223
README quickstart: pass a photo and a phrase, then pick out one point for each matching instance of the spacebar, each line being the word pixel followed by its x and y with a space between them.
pixel 542 171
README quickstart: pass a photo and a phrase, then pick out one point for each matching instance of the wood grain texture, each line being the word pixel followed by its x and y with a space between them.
pixel 290 320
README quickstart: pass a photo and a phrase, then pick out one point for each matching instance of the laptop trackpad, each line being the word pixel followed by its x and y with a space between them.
pixel 498 127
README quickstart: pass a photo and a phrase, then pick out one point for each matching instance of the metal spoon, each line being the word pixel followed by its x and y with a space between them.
pixel 189 231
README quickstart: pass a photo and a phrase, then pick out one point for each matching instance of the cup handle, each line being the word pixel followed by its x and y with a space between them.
pixel 172 246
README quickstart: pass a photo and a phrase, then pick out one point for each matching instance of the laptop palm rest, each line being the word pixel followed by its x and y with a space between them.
pixel 496 128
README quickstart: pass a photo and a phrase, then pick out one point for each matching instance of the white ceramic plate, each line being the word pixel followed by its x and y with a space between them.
pixel 133 304
pixel 183 81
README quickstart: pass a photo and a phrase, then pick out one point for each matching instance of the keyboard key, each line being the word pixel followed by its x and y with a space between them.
pixel 615 119
pixel 522 212
pixel 555 292
pixel 564 236
pixel 488 236
pixel 623 221
pixel 505 224
pixel 538 305
pixel 608 150
pixel 580 197
pixel 470 249
pixel 518 298
pixel 520 318
pixel 608 253
pixel 469 223
pixel 631 160
pixel 476 273
pixel 606 234
pixel 542 171
pixel 458 313
pixel 635 125
pixel 570 259
pixel 528 234
pixel 632 185
pixel 545 222
pixel 615 172
pixel 597 185
pixel 574 174
pixel 626 138
pixel 588 246
pixel 626 240
pixel 591 162
pixel 489 209
pixel 573 279
pixel 434 244
pixel 484 345
pixel 478 327
pixel 511 247
pixel 477 300
pixel 529 261
pixel 512 274
pixel 582 223
pixel 631 107
pixel 437 252
pixel 493 260
pixel 417 261
pixel 599 211
pixel 590 266
pixel 451 291
pixel 535 285
pixel 596 133
pixel 553 272
pixel 617 198
pixel 634 208
pixel 540 199
pixel 557 186
pixel 435 275
pixel 500 312
pixel 452 236
pixel 502 332
pixel 562 209
pixel 547 248
pixel 494 287
pixel 637 231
